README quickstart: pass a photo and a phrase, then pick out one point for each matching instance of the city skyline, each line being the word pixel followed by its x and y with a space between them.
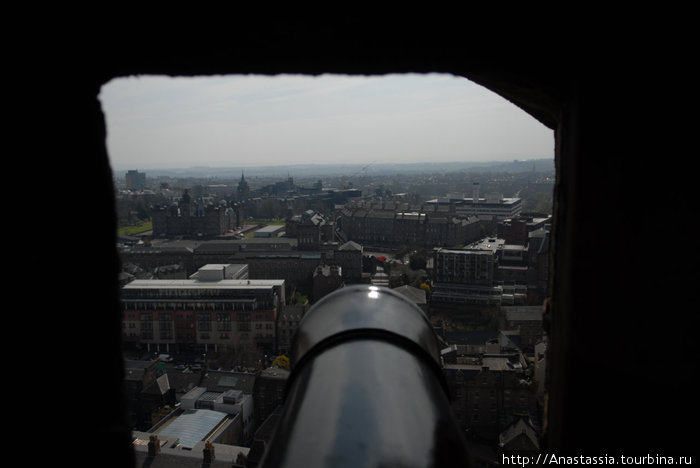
pixel 156 122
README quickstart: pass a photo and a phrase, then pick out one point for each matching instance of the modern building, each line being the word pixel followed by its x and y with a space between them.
pixel 135 180
pixel 269 231
pixel 466 276
pixel 231 402
pixel 204 314
pixel 490 206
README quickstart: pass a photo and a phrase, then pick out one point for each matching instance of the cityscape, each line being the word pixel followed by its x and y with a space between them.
pixel 347 192
pixel 217 272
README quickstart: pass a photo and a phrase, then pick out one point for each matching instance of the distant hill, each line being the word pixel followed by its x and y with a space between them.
pixel 309 170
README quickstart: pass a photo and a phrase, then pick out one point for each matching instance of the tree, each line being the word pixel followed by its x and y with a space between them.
pixel 418 260
pixel 281 361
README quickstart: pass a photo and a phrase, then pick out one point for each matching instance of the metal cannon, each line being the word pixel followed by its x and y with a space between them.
pixel 366 388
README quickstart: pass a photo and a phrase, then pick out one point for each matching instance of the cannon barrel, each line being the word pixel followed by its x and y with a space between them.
pixel 366 388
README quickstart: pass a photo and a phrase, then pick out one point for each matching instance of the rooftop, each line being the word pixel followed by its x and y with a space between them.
pixel 523 312
pixel 188 283
pixel 193 426
pixel 481 201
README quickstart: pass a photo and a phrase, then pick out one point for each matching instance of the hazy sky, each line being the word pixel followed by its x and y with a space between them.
pixel 249 120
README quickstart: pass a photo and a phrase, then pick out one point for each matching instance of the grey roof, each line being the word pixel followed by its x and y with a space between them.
pixel 533 313
pixel 416 295
pixel 516 429
pixel 220 284
pixel 193 426
pixel 472 337
pixel 217 381
pixel 350 245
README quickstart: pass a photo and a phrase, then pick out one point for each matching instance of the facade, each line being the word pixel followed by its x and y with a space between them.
pixel 492 272
pixel 268 392
pixel 491 393
pixel 147 390
pixel 491 206
pixel 205 315
pixel 349 257
pixel 384 225
pixel 466 276
pixel 287 323
pixel 327 278
pixel 190 218
pixel 538 265
pixel 527 320
pixel 135 180
pixel 312 229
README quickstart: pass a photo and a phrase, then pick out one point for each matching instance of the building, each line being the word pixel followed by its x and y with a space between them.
pixel 243 190
pixel 135 180
pixel 209 313
pixel 491 206
pixel 490 392
pixel 466 276
pixel 287 323
pixel 221 271
pixel 148 390
pixel 269 231
pixel 194 218
pixel 527 320
pixel 516 230
pixel 311 229
pixel 165 450
pixel 327 278
pixel 349 257
pixel 232 402
pixel 268 392
pixel 538 266
pixel 396 224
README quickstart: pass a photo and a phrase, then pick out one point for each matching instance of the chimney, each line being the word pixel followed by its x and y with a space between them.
pixel 209 452
pixel 475 194
pixel 153 446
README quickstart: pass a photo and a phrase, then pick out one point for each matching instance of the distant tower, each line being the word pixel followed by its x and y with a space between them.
pixel 185 204
pixel 243 190
pixel 475 193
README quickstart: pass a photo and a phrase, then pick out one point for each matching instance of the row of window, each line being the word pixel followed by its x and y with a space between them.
pixel 163 316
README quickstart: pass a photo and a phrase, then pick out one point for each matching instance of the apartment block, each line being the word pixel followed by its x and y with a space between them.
pixel 208 313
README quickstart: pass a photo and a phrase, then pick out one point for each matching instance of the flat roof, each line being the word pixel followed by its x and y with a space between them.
pixel 193 426
pixel 481 201
pixel 271 228
pixel 187 283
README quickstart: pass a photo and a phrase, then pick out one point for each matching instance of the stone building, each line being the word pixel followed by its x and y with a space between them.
pixel 327 278
pixel 287 323
pixel 527 320
pixel 193 218
pixel 400 225
pixel 490 392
